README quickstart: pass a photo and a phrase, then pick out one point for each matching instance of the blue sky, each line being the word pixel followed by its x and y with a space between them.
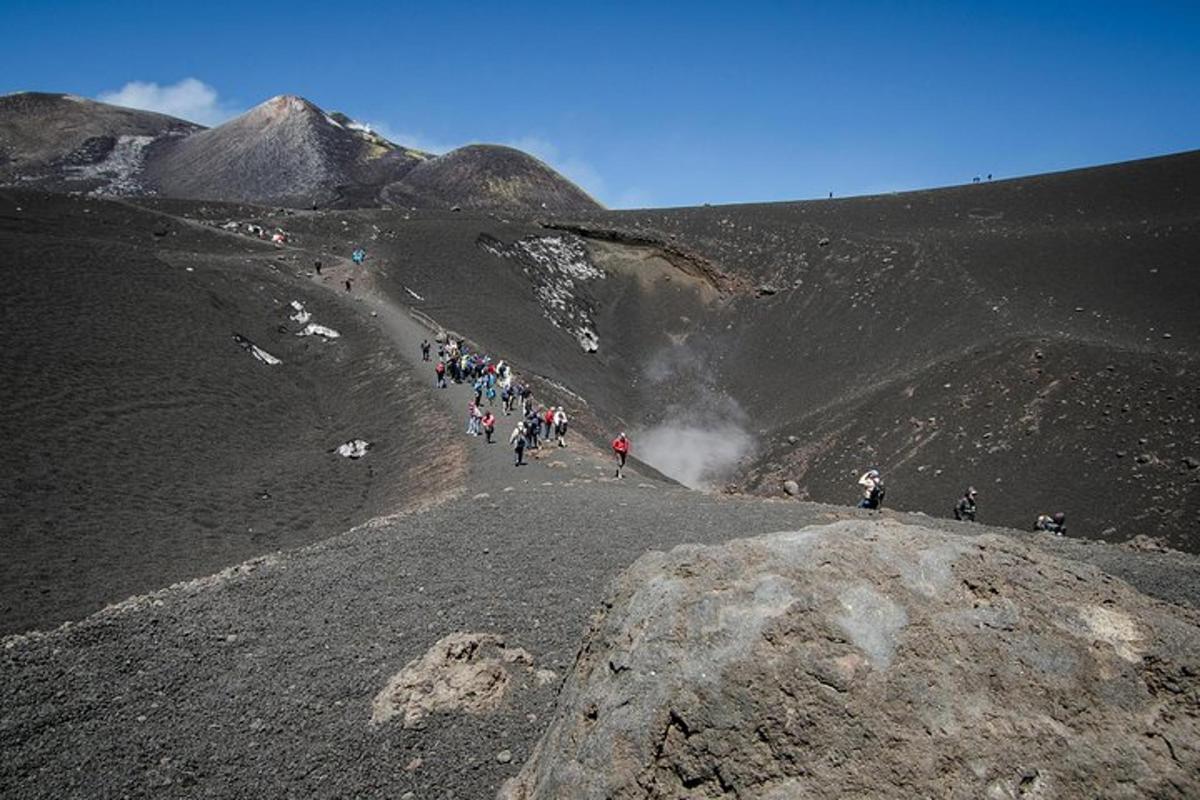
pixel 668 103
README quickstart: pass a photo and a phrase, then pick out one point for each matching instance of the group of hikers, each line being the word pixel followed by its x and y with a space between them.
pixel 965 509
pixel 494 379
pixel 537 424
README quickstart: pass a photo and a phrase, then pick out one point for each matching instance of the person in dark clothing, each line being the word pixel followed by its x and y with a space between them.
pixel 965 510
pixel 347 284
pixel 1056 524
pixel 532 428
pixel 317 264
pixel 424 349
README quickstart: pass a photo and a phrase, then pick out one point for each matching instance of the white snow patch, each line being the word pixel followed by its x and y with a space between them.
pixel 414 294
pixel 333 121
pixel 355 448
pixel 264 356
pixel 302 315
pixel 313 329
pixel 559 267
pixel 119 168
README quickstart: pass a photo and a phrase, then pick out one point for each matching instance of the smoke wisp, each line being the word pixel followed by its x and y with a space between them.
pixel 702 434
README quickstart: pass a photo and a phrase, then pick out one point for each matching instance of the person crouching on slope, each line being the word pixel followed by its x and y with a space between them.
pixel 620 447
pixel 965 510
pixel 872 483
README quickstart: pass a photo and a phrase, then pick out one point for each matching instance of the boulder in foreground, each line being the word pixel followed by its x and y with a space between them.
pixel 874 659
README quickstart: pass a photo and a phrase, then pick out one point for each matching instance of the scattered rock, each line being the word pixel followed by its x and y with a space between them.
pixel 793 440
pixel 504 757
pixel 791 488
pixel 823 241
pixel 1143 458
pixel 468 672
pixel 854 658
pixel 1191 462
pixel 766 290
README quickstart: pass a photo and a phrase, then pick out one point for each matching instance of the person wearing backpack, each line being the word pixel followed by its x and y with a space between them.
pixel 517 440
pixel 560 426
pixel 872 483
pixel 965 509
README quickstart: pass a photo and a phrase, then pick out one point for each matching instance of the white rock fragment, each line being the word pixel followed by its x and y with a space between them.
pixel 355 448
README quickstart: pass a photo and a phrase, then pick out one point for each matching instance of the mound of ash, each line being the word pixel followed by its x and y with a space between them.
pixel 874 660
pixel 483 176
pixel 285 151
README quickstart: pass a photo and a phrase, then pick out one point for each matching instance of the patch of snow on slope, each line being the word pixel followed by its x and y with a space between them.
pixel 119 168
pixel 560 270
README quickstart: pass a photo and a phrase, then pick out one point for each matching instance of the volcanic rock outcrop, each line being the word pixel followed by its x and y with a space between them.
pixel 872 659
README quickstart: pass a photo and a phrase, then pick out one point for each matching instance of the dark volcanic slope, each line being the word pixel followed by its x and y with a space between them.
pixel 143 445
pixel 485 176
pixel 1035 337
pixel 64 142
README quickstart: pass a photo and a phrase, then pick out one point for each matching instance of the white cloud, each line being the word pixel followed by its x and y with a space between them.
pixel 188 99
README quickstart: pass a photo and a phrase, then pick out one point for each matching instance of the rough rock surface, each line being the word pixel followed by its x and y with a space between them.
pixel 469 672
pixel 875 660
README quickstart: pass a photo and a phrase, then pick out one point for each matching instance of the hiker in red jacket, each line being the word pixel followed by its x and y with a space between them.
pixel 620 446
pixel 547 422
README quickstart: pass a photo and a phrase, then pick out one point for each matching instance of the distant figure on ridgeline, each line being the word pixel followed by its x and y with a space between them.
pixel 560 426
pixel 620 448
pixel 965 509
pixel 872 489
pixel 424 349
pixel 317 264
pixel 1056 524
pixel 439 369
pixel 517 440
pixel 347 284
pixel 489 425
pixel 358 256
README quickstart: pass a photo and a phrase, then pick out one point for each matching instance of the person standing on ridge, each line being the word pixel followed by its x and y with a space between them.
pixel 872 483
pixel 620 448
pixel 424 349
pixel 965 510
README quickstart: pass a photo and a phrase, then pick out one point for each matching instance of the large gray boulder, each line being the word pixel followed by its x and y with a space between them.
pixel 875 659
